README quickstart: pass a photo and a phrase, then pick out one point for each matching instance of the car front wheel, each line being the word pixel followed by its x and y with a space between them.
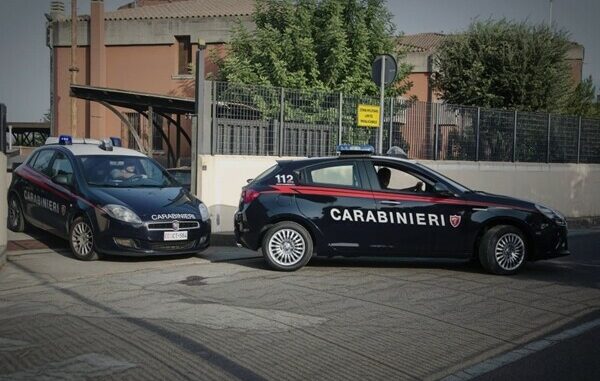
pixel 503 250
pixel 287 246
pixel 81 239
pixel 16 220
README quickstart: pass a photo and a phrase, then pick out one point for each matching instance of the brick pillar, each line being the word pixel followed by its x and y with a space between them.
pixel 97 67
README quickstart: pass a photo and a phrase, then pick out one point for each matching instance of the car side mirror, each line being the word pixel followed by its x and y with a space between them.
pixel 442 189
pixel 15 166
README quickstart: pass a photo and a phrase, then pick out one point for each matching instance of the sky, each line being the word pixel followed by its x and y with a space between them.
pixel 25 59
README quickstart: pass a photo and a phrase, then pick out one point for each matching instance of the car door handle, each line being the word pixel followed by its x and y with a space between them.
pixel 390 202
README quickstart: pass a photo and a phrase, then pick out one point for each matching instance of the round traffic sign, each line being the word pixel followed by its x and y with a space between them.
pixel 390 69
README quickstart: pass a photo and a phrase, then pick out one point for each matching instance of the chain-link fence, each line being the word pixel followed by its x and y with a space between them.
pixel 270 121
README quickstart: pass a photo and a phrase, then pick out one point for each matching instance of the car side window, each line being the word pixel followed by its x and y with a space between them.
pixel 42 162
pixel 62 166
pixel 335 174
pixel 399 179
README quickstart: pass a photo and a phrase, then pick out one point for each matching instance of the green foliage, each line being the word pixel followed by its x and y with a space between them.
pixel 503 64
pixel 581 100
pixel 313 44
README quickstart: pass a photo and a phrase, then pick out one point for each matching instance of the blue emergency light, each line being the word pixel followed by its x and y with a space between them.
pixel 65 140
pixel 116 142
pixel 354 149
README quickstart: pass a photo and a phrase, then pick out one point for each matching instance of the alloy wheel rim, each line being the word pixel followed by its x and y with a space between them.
pixel 286 247
pixel 510 251
pixel 13 213
pixel 82 239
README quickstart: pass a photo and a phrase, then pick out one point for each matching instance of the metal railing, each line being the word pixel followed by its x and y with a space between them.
pixel 271 121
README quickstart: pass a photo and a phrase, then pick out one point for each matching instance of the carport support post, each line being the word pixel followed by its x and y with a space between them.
pixel 149 143
pixel 178 144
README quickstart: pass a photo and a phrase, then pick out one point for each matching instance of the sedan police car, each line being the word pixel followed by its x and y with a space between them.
pixel 106 200
pixel 358 204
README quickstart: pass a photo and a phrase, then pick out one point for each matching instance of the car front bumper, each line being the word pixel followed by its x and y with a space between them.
pixel 118 238
pixel 551 242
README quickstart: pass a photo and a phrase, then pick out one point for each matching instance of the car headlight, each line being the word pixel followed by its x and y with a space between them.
pixel 203 212
pixel 122 213
pixel 551 214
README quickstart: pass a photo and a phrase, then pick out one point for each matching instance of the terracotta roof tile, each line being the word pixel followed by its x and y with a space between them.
pixel 185 9
pixel 422 42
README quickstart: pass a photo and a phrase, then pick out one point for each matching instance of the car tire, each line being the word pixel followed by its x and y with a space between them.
pixel 503 250
pixel 81 240
pixel 287 246
pixel 16 219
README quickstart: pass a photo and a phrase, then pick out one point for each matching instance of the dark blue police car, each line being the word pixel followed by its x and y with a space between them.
pixel 106 200
pixel 357 204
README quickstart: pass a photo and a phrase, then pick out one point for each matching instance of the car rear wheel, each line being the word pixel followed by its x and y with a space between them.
pixel 287 246
pixel 16 220
pixel 503 250
pixel 81 239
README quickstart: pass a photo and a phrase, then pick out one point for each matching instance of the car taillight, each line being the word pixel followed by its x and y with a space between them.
pixel 249 195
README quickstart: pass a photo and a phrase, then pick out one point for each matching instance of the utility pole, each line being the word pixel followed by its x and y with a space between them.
pixel 73 69
pixel 550 22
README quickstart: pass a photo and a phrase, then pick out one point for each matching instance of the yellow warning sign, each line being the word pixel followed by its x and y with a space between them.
pixel 368 116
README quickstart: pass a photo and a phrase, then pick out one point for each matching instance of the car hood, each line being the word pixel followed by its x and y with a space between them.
pixel 149 202
pixel 495 199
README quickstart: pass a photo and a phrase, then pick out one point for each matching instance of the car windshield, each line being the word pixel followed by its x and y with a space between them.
pixel 124 172
pixel 182 176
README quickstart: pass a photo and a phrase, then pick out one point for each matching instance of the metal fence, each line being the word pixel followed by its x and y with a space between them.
pixel 261 120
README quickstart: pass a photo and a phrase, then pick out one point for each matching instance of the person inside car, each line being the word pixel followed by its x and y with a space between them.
pixel 383 175
pixel 126 172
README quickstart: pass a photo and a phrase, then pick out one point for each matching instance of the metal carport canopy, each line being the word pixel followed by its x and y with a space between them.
pixel 135 100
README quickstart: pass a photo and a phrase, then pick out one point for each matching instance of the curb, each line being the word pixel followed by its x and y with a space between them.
pixel 583 222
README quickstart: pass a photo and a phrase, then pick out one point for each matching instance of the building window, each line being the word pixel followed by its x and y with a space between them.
pixel 184 49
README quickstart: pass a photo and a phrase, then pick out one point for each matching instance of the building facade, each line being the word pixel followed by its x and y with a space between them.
pixel 147 46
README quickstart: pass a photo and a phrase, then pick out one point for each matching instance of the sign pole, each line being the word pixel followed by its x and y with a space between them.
pixel 381 106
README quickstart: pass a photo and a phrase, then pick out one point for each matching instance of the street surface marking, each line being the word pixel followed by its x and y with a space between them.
pixel 521 352
pixel 7 345
pixel 76 368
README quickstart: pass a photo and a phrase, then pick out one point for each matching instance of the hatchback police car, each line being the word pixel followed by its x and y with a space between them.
pixel 106 200
pixel 359 204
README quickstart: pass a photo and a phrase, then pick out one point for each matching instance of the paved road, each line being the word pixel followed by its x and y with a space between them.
pixel 222 315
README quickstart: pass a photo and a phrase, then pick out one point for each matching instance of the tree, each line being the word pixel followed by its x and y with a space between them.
pixel 503 64
pixel 314 44
pixel 581 100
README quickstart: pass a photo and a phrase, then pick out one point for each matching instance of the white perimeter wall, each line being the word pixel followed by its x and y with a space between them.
pixel 3 207
pixel 573 189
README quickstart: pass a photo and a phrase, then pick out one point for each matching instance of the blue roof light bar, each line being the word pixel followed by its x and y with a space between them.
pixel 354 149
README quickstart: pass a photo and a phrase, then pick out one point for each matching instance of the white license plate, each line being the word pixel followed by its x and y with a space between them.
pixel 175 236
